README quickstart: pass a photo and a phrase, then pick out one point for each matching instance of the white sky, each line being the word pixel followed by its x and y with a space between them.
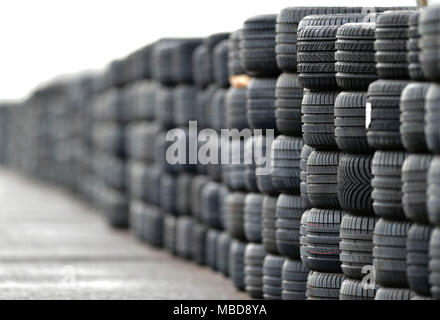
pixel 44 38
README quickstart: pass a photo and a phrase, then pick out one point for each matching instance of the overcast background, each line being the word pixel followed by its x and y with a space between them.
pixel 45 38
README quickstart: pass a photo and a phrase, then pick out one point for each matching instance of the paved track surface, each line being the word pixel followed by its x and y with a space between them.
pixel 52 246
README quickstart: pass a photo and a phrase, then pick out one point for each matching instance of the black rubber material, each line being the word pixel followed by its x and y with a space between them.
pixel 386 183
pixel 250 179
pixel 253 217
pixel 433 204
pixel 294 280
pixel 211 248
pixel 356 244
pixel 434 254
pixel 198 243
pixel 432 127
pixel 354 183
pixel 234 64
pixel 260 103
pixel 324 286
pixel 389 253
pixel 216 112
pixel 220 63
pixel 210 197
pixel 322 179
pixel 272 267
pixel 169 233
pixel 235 105
pixel 412 116
pixel 236 263
pixel 182 61
pixel 222 252
pixel 184 182
pixel 393 294
pixel 165 106
pixel 184 231
pixel 235 204
pixel 253 259
pixel 414 186
pixel 305 152
pixel 318 119
pixel 168 193
pixel 350 130
pixel 257 47
pixel 286 155
pixel 197 198
pixel 269 224
pixel 303 239
pixel 417 258
pixel 289 210
pixel 263 169
pixel 288 94
pixel 383 98
pixel 354 290
pixel 147 223
pixel 323 239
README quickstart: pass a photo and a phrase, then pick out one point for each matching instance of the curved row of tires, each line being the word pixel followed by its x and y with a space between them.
pixel 333 196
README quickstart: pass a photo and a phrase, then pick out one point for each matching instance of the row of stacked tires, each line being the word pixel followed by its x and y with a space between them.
pixel 345 208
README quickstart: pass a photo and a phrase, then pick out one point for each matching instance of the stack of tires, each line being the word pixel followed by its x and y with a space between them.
pixel 146 218
pixel 317 74
pixel 355 68
pixel 419 133
pixel 258 58
pixel 210 243
pixel 111 116
pixel 383 98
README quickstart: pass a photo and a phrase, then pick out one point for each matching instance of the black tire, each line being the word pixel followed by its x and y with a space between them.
pixel 429 54
pixel 389 253
pixel 354 183
pixel 253 217
pixel 318 119
pixel 432 128
pixel 210 205
pixel 234 63
pixel 198 244
pixel 260 104
pixel 236 263
pixel 147 223
pixel 235 105
pixel 222 252
pixel 269 224
pixel 433 204
pixel 393 294
pixel 384 97
pixel 165 107
pixel 220 63
pixel 139 137
pixel 414 186
pixel 412 117
pixel 294 280
pixel 184 230
pixel 417 258
pixel 386 183
pixel 350 130
pixel 235 203
pixel 200 63
pixel 253 258
pixel 142 100
pixel 211 248
pixel 250 179
pixel 289 210
pixel 169 233
pixel 305 153
pixel 184 182
pixel 203 99
pixel 216 112
pixel 236 169
pixel 303 239
pixel 272 269
pixel 356 244
pixel 289 94
pixel 168 194
pixel 324 286
pixel 323 239
pixel 286 156
pixel 354 290
pixel 322 179
pixel 182 60
pixel 261 59
pixel 434 263
pixel 197 187
pixel 263 170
